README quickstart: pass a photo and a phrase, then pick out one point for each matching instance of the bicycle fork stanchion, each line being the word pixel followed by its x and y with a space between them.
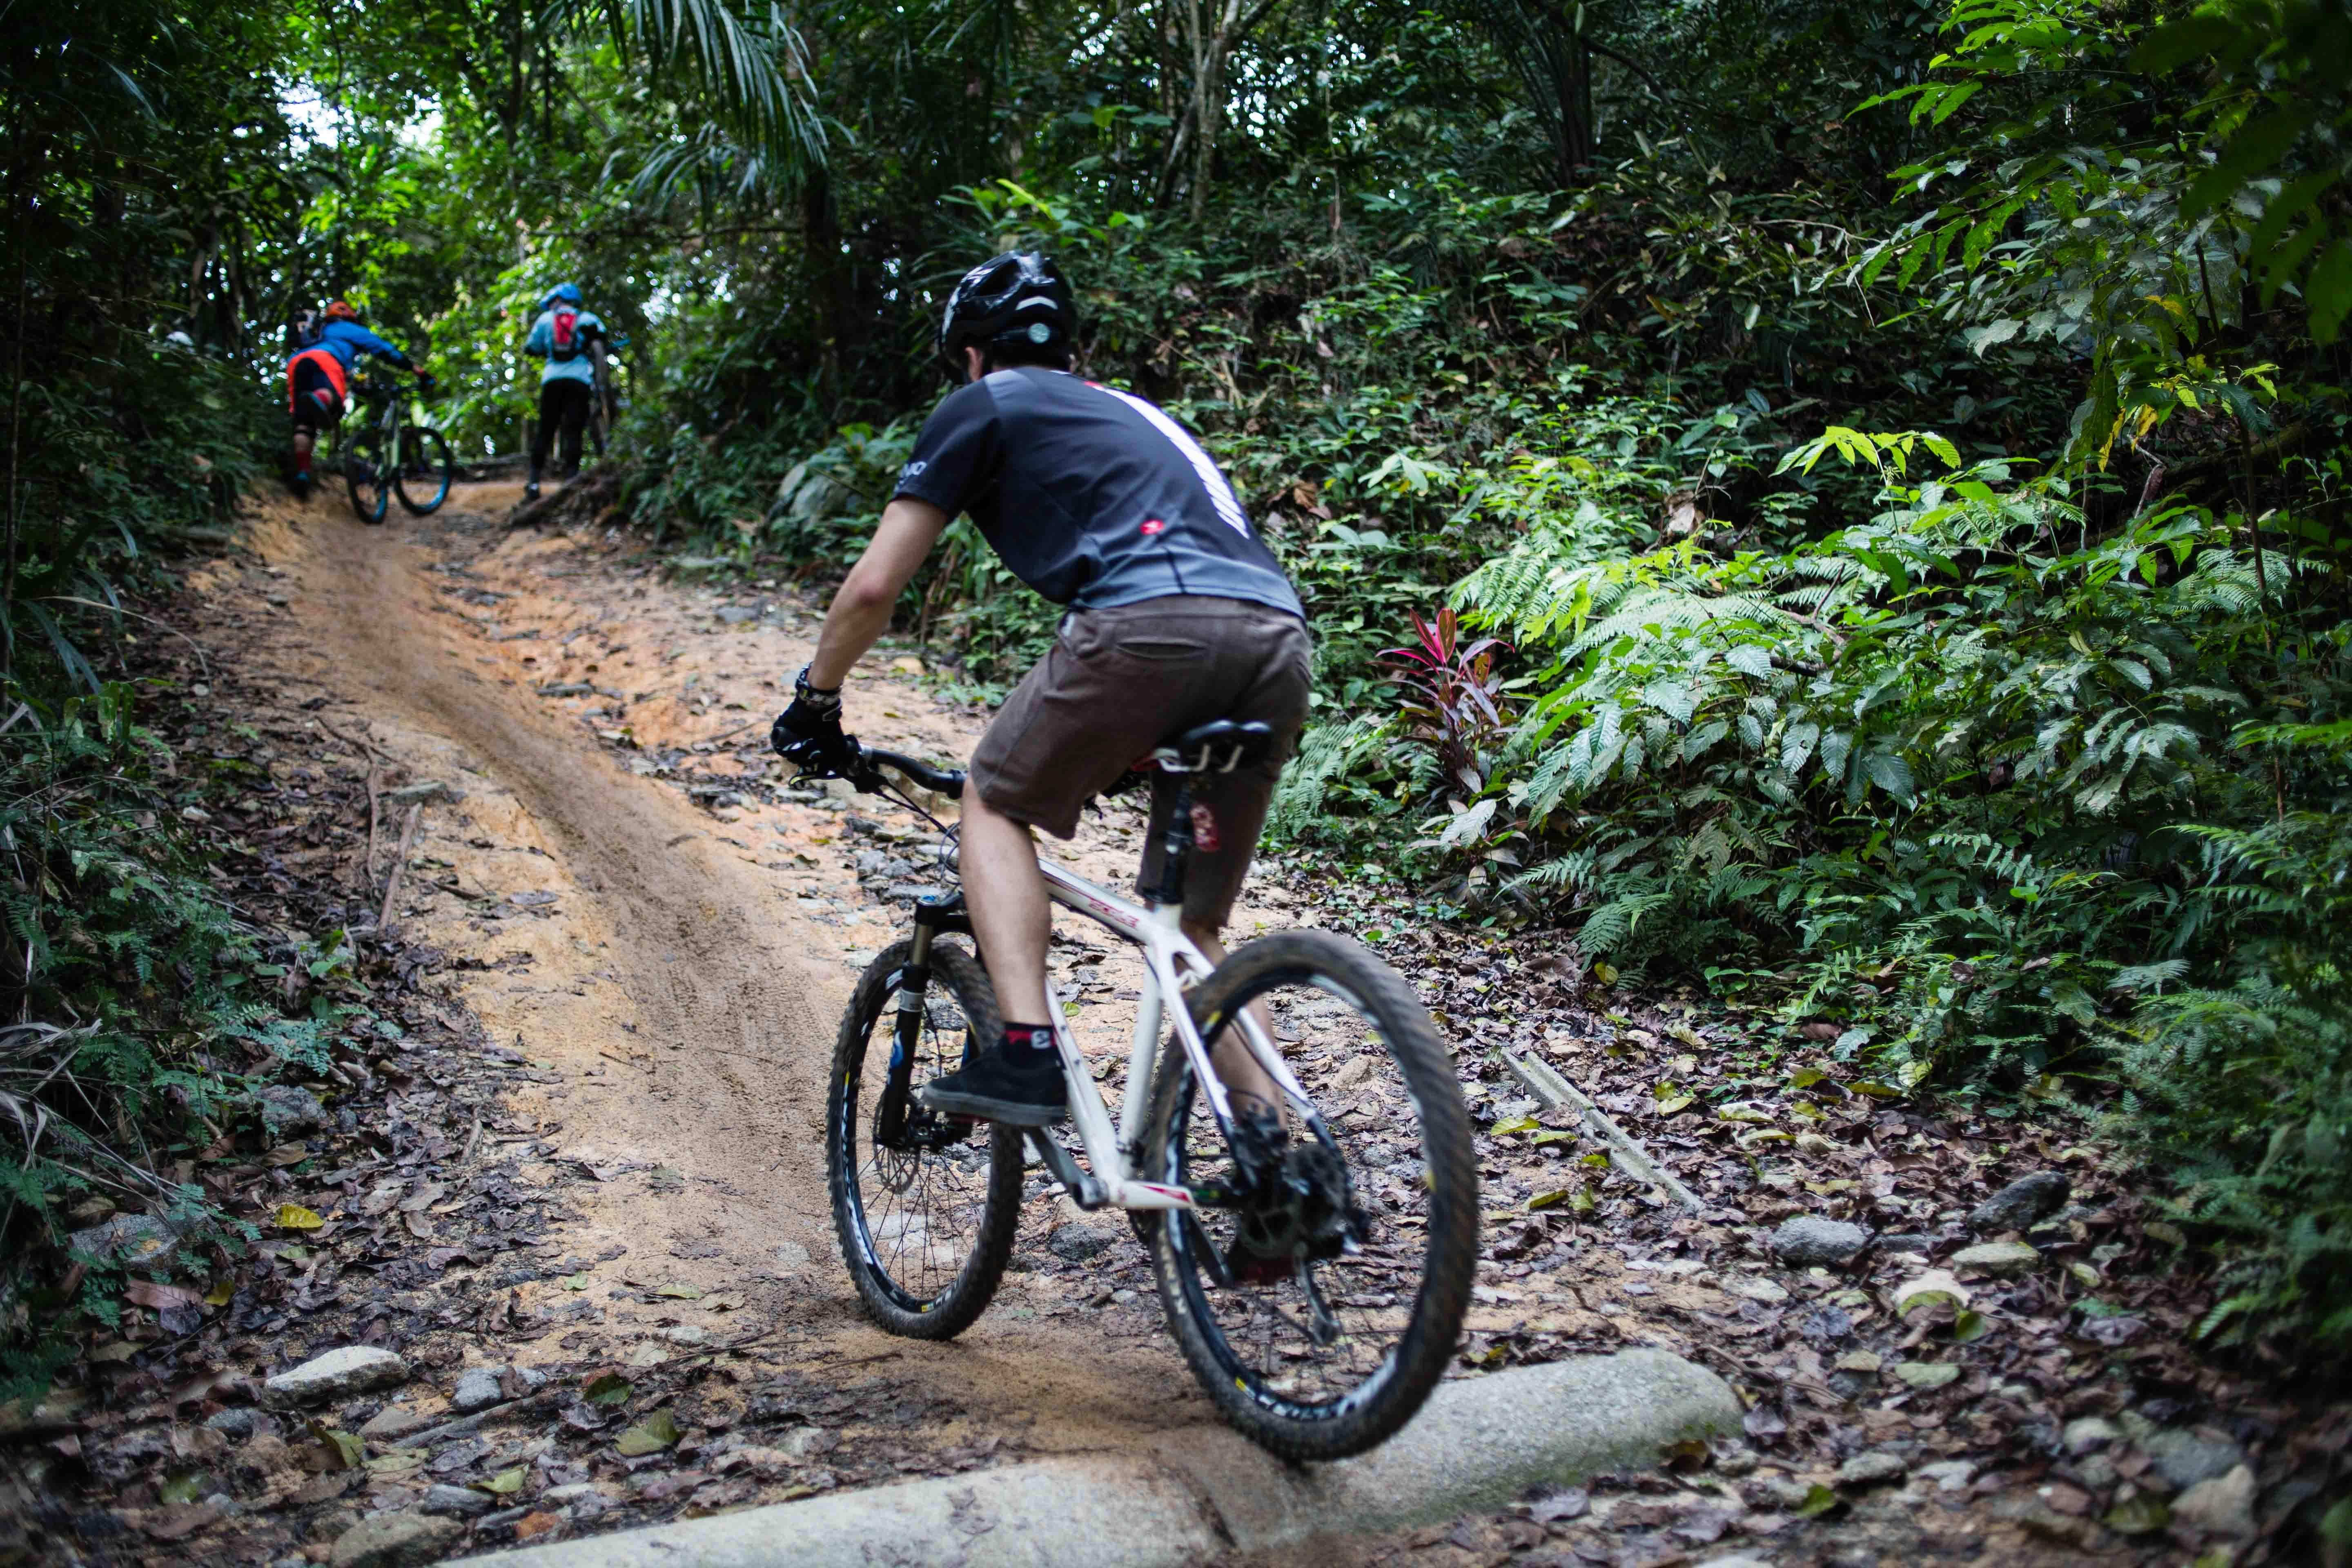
pixel 933 915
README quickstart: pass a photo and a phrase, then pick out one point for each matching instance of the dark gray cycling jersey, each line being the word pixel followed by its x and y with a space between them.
pixel 1092 497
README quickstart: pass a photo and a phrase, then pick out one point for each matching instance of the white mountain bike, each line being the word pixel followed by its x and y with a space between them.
pixel 1316 1284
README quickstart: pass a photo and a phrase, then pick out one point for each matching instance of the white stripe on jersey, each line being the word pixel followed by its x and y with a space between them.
pixel 1221 494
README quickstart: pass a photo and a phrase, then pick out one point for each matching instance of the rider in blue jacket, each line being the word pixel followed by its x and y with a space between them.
pixel 573 342
pixel 318 379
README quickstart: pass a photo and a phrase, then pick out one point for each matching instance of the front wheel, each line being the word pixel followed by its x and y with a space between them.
pixel 425 470
pixel 365 476
pixel 1318 1316
pixel 925 1205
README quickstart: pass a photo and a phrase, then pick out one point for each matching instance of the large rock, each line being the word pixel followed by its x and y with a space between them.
pixel 2023 1203
pixel 1870 1467
pixel 2221 1506
pixel 130 1239
pixel 479 1389
pixel 1807 1242
pixel 1999 1258
pixel 456 1502
pixel 406 1540
pixel 2185 1457
pixel 353 1369
pixel 1078 1243
pixel 285 1110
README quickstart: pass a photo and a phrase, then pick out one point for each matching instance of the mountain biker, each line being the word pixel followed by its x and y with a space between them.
pixel 1178 614
pixel 573 340
pixel 318 376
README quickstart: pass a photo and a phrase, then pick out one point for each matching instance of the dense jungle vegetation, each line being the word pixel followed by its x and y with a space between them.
pixel 1840 506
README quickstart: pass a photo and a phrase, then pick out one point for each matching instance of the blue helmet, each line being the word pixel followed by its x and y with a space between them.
pixel 567 292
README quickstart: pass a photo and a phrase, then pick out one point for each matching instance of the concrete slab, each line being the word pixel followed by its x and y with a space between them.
pixel 1476 1444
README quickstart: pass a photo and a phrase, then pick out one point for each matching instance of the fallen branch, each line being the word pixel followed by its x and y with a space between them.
pixel 467 1426
pixel 399 864
pixel 1545 1084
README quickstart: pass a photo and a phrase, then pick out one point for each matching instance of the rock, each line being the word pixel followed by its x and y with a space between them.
pixel 1780 1492
pixel 1736 1560
pixel 1750 1288
pixel 1926 1374
pixel 2185 1458
pixel 240 1424
pixel 1077 1243
pixel 285 1108
pixel 1736 1461
pixel 405 1540
pixel 2022 1202
pixel 571 1492
pixel 1999 1258
pixel 127 1238
pixel 2222 1505
pixel 1908 1241
pixel 397 1421
pixel 2089 1434
pixel 456 1502
pixel 479 1389
pixel 353 1369
pixel 1927 1289
pixel 1949 1475
pixel 686 1334
pixel 1870 1468
pixel 1806 1242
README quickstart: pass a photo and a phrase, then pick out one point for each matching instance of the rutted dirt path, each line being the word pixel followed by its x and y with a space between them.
pixel 686 973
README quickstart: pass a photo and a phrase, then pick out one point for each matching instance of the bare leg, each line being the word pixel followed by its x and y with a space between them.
pixel 1009 913
pixel 1232 1059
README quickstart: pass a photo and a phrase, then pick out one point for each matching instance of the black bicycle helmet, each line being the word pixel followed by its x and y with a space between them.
pixel 1016 298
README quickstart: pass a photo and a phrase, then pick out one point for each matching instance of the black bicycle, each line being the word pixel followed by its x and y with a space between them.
pixel 1316 1275
pixel 388 455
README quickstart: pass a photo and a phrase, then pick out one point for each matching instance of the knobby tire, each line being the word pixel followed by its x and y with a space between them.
pixel 919 1314
pixel 1360 1419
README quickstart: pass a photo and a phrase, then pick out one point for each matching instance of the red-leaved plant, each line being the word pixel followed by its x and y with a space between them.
pixel 1455 697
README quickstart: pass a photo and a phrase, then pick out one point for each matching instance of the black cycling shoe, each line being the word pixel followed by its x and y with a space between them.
pixel 530 490
pixel 995 1088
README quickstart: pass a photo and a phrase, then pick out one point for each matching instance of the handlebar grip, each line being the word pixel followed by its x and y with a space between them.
pixel 940 781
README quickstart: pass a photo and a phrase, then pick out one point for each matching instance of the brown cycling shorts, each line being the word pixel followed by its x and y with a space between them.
pixel 1115 684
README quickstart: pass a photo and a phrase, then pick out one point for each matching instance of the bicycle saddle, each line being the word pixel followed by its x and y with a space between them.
pixel 1220 745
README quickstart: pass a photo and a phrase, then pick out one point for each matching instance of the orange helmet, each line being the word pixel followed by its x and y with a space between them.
pixel 340 310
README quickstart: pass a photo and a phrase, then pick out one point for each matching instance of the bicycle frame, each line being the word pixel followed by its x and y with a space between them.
pixel 1170 961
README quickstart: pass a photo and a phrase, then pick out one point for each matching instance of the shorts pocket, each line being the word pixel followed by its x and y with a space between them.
pixel 1160 649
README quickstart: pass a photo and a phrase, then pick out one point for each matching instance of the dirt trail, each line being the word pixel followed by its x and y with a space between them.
pixel 682 992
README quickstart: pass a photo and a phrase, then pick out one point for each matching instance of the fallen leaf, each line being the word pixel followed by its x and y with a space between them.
pixel 1547 1200
pixel 532 1525
pixel 2139 1515
pixel 344 1450
pixel 1926 1374
pixel 1673 1103
pixel 223 1292
pixel 1819 1499
pixel 680 1292
pixel 147 1293
pixel 607 1387
pixel 1516 1124
pixel 1805 1077
pixel 650 1435
pixel 1875 1089
pixel 576 1282
pixel 294 1216
pixel 506 1483
pixel 1970 1327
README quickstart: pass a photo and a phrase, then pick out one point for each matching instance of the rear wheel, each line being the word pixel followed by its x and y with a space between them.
pixel 1314 1348
pixel 363 475
pixel 425 469
pixel 925 1205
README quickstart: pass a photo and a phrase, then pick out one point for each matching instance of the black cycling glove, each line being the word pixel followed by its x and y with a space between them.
pixel 808 733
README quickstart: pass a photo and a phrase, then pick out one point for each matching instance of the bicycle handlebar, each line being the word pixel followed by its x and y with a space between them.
pixel 940 781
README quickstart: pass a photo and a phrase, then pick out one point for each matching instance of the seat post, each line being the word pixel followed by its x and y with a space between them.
pixel 1176 835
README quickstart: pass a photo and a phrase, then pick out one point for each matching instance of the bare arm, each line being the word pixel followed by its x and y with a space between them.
pixel 861 610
